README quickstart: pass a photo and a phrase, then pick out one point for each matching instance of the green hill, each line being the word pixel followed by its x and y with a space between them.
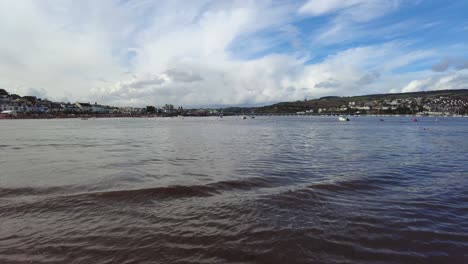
pixel 411 102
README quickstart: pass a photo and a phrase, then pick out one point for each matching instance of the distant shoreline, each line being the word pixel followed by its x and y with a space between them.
pixel 41 117
pixel 66 117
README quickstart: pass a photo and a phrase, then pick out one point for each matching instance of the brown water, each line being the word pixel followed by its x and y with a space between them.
pixel 210 190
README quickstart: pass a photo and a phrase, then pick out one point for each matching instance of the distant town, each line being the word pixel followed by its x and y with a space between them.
pixel 435 103
pixel 16 106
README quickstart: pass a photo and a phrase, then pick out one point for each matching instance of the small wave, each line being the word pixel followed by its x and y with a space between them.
pixel 57 145
pixel 13 192
pixel 350 185
pixel 315 194
pixel 175 191
pixel 180 191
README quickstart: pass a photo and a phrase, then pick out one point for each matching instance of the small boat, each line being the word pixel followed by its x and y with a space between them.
pixel 381 119
pixel 243 115
pixel 343 119
pixel 415 120
pixel 252 117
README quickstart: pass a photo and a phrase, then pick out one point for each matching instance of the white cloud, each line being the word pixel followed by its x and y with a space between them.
pixel 459 63
pixel 198 52
pixel 45 47
pixel 347 17
pixel 267 79
pixel 322 7
pixel 451 80
pixel 356 10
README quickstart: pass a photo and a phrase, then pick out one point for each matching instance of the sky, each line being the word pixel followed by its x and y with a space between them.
pixel 229 53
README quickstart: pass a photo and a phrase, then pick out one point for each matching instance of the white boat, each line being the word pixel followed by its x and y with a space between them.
pixel 343 119
pixel 244 117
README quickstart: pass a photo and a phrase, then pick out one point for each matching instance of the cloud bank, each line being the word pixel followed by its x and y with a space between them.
pixel 201 52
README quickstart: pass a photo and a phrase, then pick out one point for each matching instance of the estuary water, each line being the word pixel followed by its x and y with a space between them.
pixel 227 190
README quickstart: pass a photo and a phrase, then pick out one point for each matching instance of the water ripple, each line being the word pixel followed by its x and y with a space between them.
pixel 269 190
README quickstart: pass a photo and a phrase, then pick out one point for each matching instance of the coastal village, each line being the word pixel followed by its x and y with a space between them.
pixel 15 106
pixel 437 103
pixel 431 103
pixel 441 106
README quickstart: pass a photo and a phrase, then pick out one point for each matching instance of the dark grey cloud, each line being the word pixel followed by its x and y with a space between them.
pixel 462 65
pixel 145 82
pixel 441 66
pixel 181 76
pixel 38 92
pixel 327 84
pixel 100 79
pixel 458 63
pixel 290 89
pixel 368 78
pixel 157 80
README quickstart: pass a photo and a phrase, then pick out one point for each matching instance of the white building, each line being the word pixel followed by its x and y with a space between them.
pixel 7 113
pixel 9 107
pixel 99 108
pixel 85 107
pixel 363 107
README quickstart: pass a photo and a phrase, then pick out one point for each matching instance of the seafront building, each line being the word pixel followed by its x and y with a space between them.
pixel 31 105
pixel 438 106
pixel 417 105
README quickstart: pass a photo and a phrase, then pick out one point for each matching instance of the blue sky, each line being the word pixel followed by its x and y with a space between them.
pixel 204 52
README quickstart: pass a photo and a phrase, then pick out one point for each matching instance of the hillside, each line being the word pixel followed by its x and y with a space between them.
pixel 446 101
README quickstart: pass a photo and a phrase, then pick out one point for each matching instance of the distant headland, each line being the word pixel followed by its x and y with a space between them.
pixel 441 102
pixel 438 103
